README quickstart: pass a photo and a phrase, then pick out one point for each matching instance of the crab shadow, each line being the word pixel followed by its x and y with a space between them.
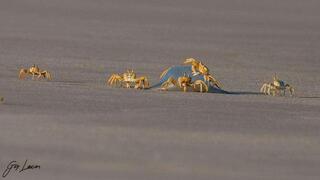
pixel 310 97
pixel 221 91
pixel 244 93
pixel 216 90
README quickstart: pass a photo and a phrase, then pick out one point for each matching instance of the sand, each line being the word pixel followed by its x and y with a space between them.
pixel 75 127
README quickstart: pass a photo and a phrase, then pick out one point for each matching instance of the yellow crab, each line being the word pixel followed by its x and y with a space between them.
pixel 34 71
pixel 184 82
pixel 128 80
pixel 277 87
pixel 198 67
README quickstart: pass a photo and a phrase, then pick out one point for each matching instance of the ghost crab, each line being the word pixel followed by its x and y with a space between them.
pixel 34 71
pixel 183 82
pixel 277 87
pixel 198 68
pixel 128 80
pixel 200 75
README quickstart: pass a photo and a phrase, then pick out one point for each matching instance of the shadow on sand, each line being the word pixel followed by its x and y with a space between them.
pixel 221 91
pixel 244 93
pixel 310 97
pixel 217 91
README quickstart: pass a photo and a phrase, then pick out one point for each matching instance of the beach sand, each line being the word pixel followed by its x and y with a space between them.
pixel 75 127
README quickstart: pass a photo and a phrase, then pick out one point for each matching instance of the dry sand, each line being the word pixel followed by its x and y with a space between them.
pixel 77 128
